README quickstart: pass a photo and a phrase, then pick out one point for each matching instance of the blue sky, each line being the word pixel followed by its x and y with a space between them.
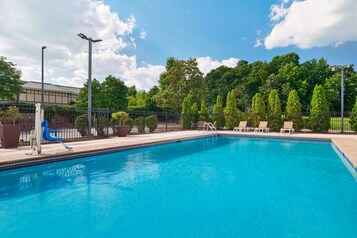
pixel 219 29
pixel 138 36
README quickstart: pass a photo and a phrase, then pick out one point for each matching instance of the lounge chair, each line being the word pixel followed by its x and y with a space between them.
pixel 241 127
pixel 288 126
pixel 263 127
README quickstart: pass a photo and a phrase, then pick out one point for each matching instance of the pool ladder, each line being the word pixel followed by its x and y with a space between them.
pixel 208 126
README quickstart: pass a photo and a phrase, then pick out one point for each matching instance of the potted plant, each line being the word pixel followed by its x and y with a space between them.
pixel 120 120
pixel 9 130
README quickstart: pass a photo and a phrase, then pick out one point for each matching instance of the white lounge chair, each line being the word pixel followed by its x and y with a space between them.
pixel 263 127
pixel 241 127
pixel 288 126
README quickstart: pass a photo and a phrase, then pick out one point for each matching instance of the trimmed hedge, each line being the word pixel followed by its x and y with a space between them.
pixel 353 117
pixel 258 109
pixel 320 116
pixel 151 122
pixel 293 111
pixel 231 110
pixel 274 111
pixel 186 115
pixel 100 123
pixel 218 114
pixel 81 123
pixel 140 123
pixel 130 123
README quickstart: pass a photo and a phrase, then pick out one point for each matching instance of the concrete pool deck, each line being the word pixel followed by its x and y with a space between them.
pixel 10 158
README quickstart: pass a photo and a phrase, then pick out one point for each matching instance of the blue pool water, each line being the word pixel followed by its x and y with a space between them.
pixel 212 187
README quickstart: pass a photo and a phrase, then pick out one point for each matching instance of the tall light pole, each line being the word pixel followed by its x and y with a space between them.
pixel 342 67
pixel 90 40
pixel 42 75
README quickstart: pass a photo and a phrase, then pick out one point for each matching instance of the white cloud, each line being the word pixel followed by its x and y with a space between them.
pixel 132 40
pixel 206 64
pixel 313 23
pixel 277 12
pixel 258 43
pixel 143 34
pixel 144 77
pixel 56 25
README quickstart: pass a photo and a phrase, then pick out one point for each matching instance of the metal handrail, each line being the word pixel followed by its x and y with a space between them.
pixel 209 126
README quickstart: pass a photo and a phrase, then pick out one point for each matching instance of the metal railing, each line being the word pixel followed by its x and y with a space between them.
pixel 208 126
pixel 63 118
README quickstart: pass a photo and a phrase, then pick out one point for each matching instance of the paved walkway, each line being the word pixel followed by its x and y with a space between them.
pixel 347 144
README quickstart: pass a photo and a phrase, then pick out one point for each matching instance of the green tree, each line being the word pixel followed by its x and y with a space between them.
pixel 186 115
pixel 333 89
pixel 258 109
pixel 293 110
pixel 140 98
pixel 319 116
pixel 132 91
pixel 131 96
pixel 10 83
pixel 113 93
pixel 150 104
pixel 110 94
pixel 249 84
pixel 292 76
pixel 231 110
pixel 313 72
pixel 281 60
pixel 203 112
pixel 241 72
pixel 195 113
pixel 219 82
pixel 274 110
pixel 137 102
pixel 353 117
pixel 218 114
pixel 82 98
pixel 182 77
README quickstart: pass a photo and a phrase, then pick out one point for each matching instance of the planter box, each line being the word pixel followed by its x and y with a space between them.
pixel 122 131
pixel 10 135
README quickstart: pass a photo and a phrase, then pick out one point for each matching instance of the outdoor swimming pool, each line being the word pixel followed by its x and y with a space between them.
pixel 211 187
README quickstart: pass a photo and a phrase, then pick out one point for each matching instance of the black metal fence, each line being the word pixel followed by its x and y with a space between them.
pixel 63 118
pixel 330 122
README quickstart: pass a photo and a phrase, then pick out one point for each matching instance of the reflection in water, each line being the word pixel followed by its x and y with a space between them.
pixel 123 170
pixel 138 166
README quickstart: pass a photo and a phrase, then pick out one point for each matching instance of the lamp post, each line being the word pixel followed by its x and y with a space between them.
pixel 42 75
pixel 90 40
pixel 342 67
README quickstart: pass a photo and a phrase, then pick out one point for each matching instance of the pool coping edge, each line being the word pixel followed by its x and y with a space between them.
pixel 9 165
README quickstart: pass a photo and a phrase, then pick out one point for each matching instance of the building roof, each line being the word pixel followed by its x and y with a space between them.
pixel 50 87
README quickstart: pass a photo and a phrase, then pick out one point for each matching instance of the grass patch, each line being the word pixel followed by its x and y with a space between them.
pixel 335 124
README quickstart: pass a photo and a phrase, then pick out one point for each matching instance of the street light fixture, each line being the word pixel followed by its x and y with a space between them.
pixel 90 40
pixel 342 67
pixel 42 75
